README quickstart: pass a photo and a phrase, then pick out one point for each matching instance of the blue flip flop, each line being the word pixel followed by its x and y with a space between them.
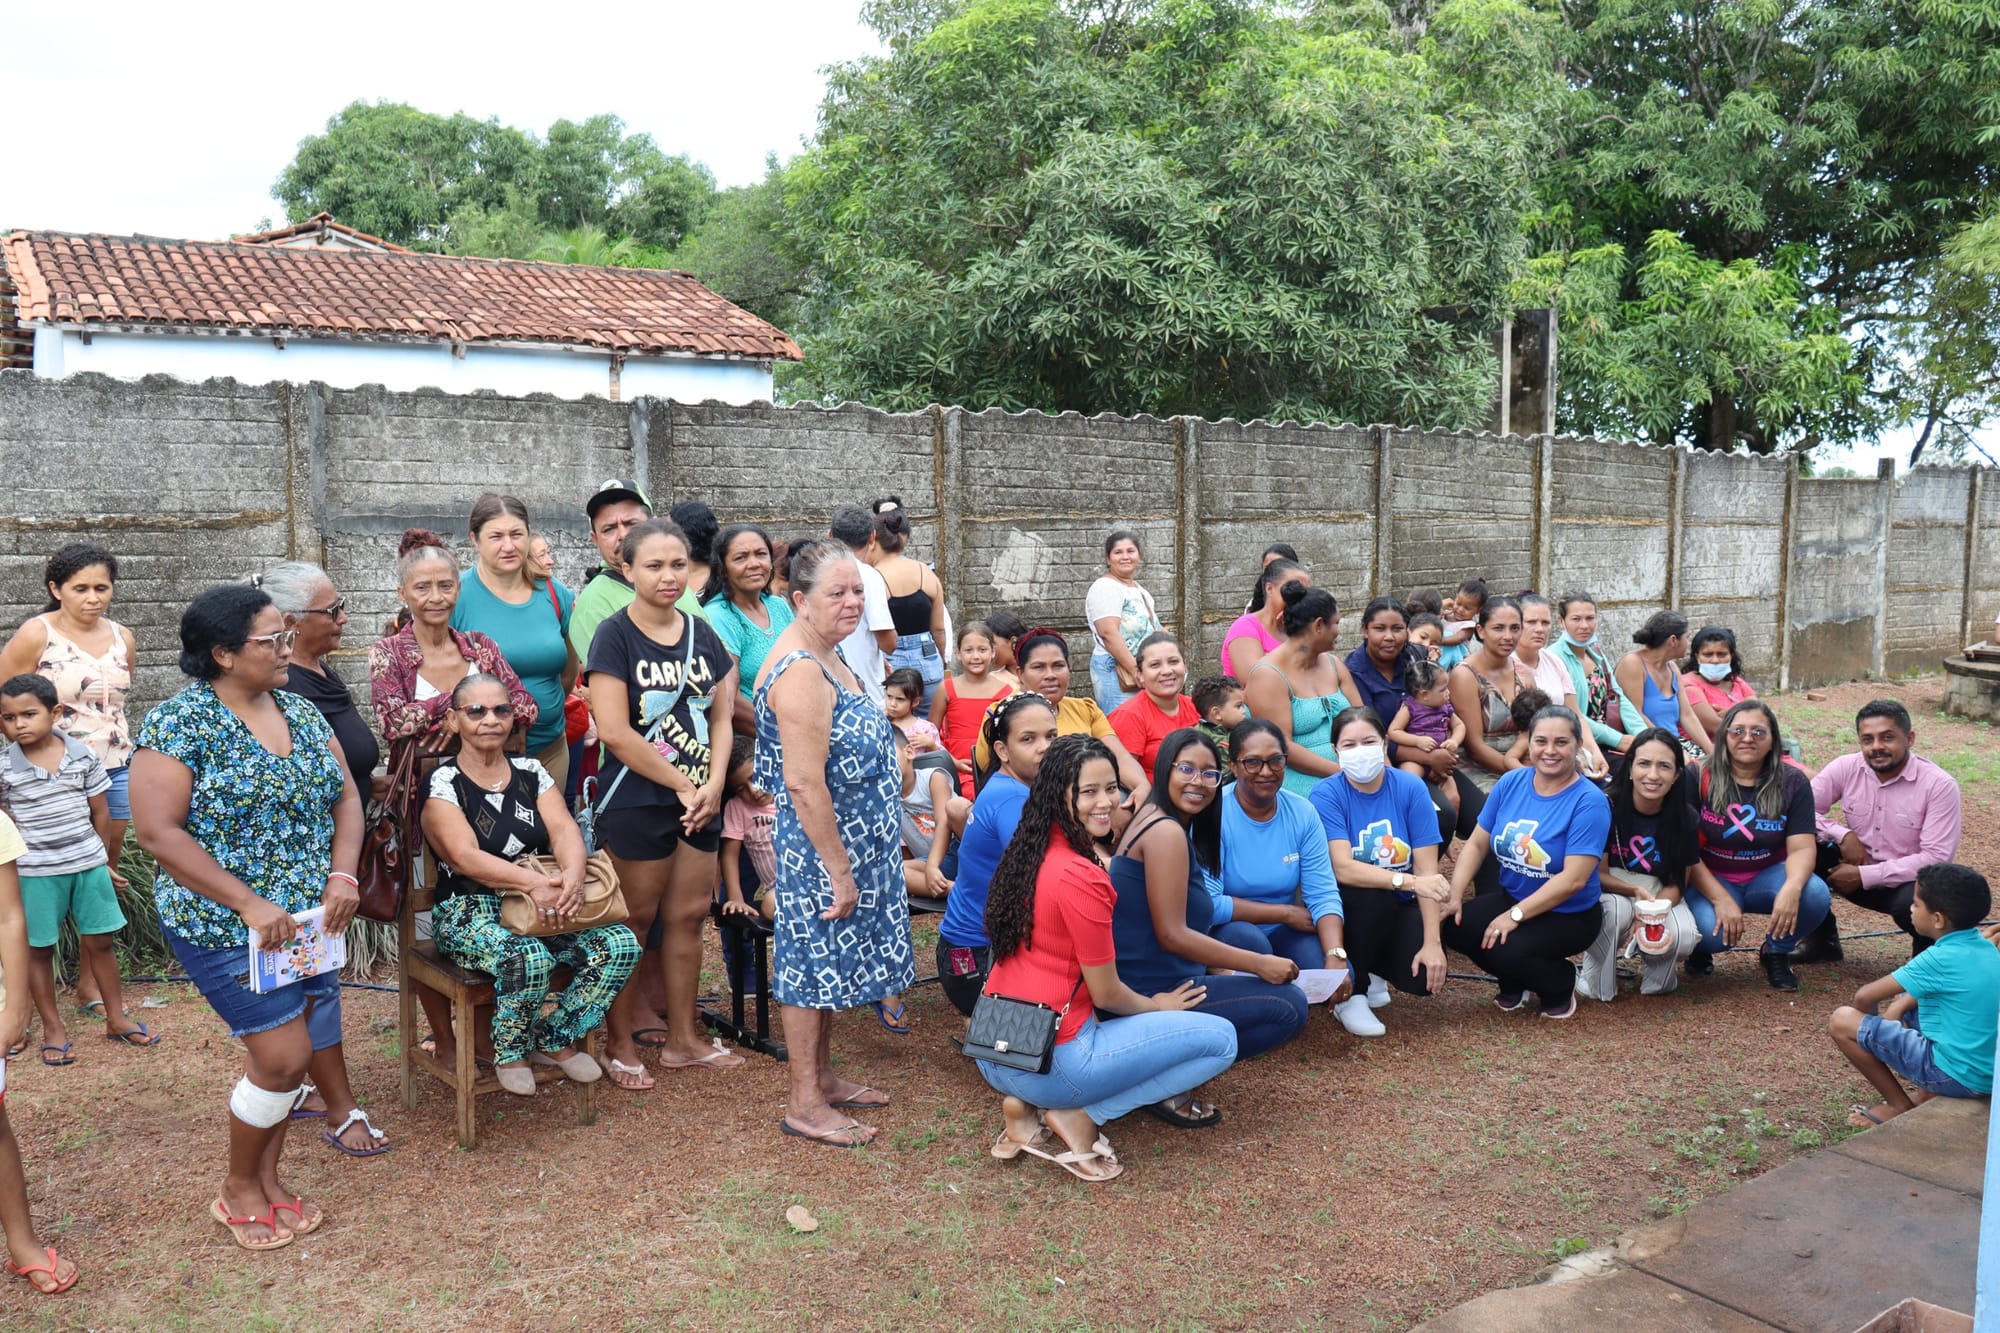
pixel 62 1050
pixel 140 1038
pixel 892 1019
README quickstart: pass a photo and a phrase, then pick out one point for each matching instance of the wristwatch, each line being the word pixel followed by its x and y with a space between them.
pixel 1516 917
pixel 1396 881
pixel 1337 952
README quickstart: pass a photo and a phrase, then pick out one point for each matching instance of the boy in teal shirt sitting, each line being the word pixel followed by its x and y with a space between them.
pixel 1954 985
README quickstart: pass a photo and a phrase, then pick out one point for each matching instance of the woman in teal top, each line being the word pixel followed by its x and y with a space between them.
pixel 1301 687
pixel 739 605
pixel 526 612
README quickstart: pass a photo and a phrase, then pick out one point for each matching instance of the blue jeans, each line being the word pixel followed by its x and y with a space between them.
pixel 1907 1051
pixel 218 973
pixel 1757 895
pixel 1115 1067
pixel 1265 1016
pixel 920 653
pixel 1302 948
pixel 1104 681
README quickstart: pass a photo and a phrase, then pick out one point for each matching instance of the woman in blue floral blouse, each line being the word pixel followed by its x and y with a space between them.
pixel 240 795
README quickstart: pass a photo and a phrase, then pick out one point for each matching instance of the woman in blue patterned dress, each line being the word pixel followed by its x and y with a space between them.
pixel 241 796
pixel 842 929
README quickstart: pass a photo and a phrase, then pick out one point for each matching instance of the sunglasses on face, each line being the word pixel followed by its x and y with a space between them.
pixel 1274 764
pixel 334 611
pixel 478 712
pixel 1207 777
pixel 281 642
pixel 1749 734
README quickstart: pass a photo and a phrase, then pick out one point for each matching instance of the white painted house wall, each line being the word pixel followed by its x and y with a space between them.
pixel 515 370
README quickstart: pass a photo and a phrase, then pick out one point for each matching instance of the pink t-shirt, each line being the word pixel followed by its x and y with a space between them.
pixel 1715 696
pixel 1247 626
pixel 754 827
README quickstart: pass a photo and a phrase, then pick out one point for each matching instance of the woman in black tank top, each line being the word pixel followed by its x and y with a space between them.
pixel 916 597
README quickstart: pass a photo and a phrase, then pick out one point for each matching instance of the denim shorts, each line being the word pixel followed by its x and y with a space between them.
pixel 117 803
pixel 222 977
pixel 1907 1052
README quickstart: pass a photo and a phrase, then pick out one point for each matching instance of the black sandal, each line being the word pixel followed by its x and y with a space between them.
pixel 1180 1119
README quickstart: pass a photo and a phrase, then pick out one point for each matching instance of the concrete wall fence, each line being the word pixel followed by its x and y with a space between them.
pixel 191 484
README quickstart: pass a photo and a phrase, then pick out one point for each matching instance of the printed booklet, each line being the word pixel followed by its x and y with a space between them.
pixel 311 952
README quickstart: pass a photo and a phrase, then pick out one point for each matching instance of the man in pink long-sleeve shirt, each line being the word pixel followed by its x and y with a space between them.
pixel 1901 813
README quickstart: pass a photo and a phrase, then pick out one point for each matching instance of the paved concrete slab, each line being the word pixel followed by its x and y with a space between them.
pixel 1626 1299
pixel 1820 1245
pixel 1943 1141
pixel 1827 1242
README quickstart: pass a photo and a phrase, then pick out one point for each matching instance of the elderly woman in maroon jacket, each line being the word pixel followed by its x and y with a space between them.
pixel 413 671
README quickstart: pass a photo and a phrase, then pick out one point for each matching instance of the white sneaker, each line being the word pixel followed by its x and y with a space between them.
pixel 1583 973
pixel 1355 1015
pixel 1378 993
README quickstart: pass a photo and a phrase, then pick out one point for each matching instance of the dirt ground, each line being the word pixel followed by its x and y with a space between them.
pixel 1352 1184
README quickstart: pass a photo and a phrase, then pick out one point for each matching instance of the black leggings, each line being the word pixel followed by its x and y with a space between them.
pixel 1535 956
pixel 1383 934
pixel 1471 801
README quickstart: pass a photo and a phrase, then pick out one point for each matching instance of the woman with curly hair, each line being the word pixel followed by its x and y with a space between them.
pixel 1048 915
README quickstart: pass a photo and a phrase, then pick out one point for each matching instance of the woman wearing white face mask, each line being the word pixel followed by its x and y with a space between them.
pixel 1713 675
pixel 1383 837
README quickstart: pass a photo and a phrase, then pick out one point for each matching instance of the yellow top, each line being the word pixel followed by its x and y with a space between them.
pixel 1074 717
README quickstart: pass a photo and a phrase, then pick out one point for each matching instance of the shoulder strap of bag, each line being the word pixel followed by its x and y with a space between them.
pixel 653 732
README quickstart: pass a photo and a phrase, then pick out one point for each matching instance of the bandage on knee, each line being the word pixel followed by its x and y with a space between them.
pixel 257 1107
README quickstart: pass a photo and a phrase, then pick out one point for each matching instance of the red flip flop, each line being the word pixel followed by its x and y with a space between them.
pixel 50 1268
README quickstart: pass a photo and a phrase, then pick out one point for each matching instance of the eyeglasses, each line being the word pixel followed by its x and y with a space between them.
pixel 334 611
pixel 1274 764
pixel 478 712
pixel 281 642
pixel 1208 777
pixel 1749 734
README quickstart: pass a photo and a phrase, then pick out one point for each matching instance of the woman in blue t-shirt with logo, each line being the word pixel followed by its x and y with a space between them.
pixel 1019 732
pixel 1754 817
pixel 1382 833
pixel 1546 824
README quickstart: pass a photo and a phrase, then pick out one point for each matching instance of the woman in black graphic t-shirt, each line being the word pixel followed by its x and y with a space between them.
pixel 662 686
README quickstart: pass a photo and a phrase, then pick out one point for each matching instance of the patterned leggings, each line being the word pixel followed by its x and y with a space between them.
pixel 468 931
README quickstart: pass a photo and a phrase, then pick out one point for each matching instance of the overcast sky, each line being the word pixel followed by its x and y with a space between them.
pixel 167 121
pixel 175 121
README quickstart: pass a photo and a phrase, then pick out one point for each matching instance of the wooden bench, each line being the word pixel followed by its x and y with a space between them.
pixel 419 964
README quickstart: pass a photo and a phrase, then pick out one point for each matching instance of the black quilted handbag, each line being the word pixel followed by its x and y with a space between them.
pixel 1020 1034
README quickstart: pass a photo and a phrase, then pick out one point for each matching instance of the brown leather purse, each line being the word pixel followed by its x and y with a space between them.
pixel 384 867
pixel 603 903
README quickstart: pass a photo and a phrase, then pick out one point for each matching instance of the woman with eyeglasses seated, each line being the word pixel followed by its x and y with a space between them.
pixel 1755 824
pixel 240 795
pixel 1275 892
pixel 1164 912
pixel 482 813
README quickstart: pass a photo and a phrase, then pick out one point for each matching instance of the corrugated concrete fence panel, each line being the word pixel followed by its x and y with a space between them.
pixel 1034 496
pixel 1258 483
pixel 1835 600
pixel 1611 529
pixel 788 469
pixel 1985 591
pixel 1926 587
pixel 398 460
pixel 187 484
pixel 1732 552
pixel 1461 505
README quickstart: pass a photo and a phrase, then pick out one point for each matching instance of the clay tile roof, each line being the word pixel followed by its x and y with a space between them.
pixel 259 283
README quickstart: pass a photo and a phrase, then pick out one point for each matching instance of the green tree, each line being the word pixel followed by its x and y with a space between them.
pixel 477 187
pixel 1211 206
pixel 401 174
pixel 1815 157
pixel 740 250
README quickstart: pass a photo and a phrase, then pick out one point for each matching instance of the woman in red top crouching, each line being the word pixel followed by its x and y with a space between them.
pixel 1048 914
